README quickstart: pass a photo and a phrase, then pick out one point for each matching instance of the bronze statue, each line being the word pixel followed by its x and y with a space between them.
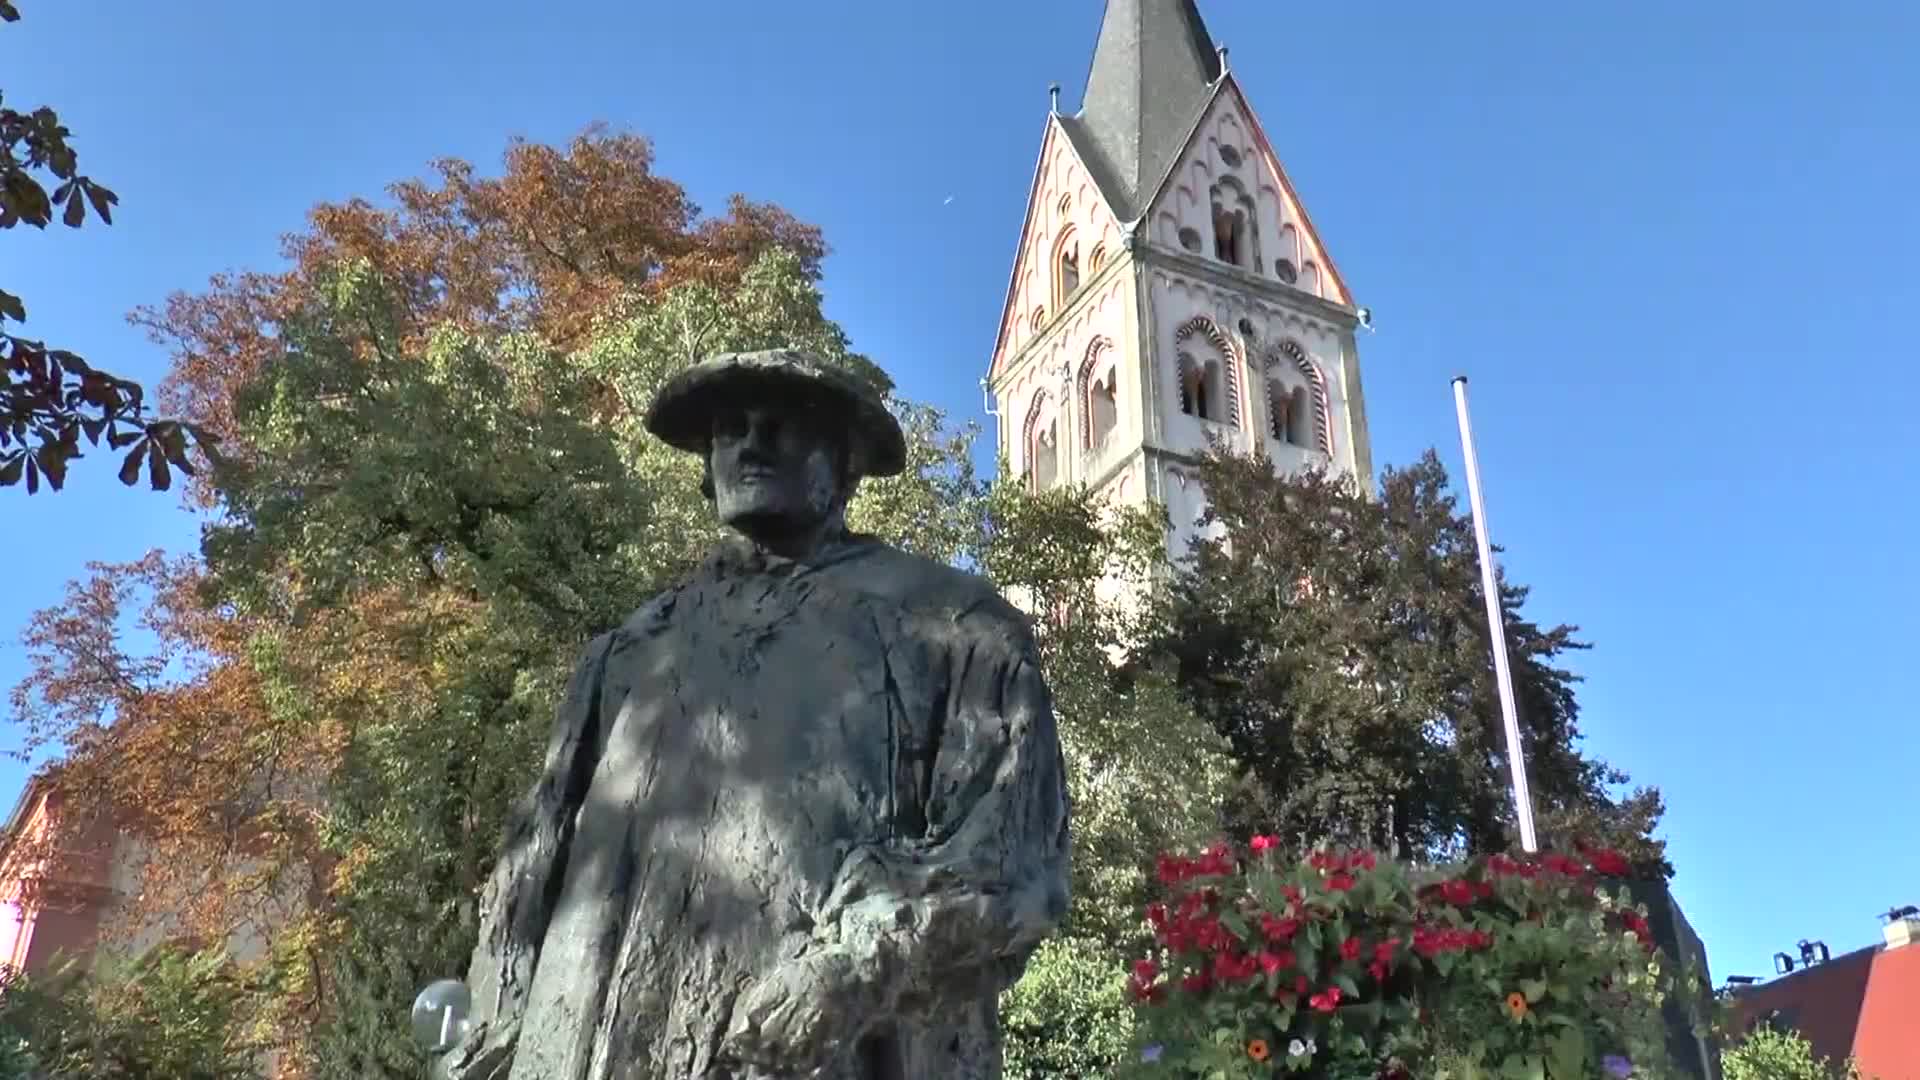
pixel 803 815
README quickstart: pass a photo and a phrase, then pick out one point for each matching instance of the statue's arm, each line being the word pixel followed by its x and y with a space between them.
pixel 515 902
pixel 989 879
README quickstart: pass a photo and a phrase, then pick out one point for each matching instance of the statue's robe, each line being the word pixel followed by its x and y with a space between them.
pixel 747 744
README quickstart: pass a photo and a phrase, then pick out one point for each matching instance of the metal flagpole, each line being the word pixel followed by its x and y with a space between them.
pixel 1496 626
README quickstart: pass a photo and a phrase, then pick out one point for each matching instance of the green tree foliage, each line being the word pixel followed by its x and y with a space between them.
pixel 52 397
pixel 1337 642
pixel 1069 1015
pixel 1145 773
pixel 1770 1054
pixel 167 1013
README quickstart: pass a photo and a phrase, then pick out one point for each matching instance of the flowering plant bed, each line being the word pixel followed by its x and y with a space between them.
pixel 1348 965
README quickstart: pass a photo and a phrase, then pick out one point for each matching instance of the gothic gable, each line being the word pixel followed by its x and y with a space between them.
pixel 1069 234
pixel 1227 198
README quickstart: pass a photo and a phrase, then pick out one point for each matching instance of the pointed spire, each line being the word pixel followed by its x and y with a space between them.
pixel 1152 70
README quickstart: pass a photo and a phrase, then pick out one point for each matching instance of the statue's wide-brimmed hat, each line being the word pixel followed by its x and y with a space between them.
pixel 682 412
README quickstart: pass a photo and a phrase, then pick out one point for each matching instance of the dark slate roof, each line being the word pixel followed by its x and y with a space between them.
pixel 1152 70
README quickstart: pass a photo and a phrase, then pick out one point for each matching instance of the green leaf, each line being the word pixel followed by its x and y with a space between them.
pixel 11 307
pixel 52 459
pixel 130 465
pixel 11 468
pixel 76 212
pixel 158 475
pixel 1534 989
pixel 103 201
pixel 1368 1014
pixel 1232 921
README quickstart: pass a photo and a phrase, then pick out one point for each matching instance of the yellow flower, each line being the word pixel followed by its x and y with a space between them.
pixel 1257 1050
pixel 1517 1005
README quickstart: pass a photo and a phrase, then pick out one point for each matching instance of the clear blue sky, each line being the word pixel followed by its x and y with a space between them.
pixel 1672 244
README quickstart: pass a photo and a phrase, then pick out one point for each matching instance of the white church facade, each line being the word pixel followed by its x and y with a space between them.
pixel 1169 291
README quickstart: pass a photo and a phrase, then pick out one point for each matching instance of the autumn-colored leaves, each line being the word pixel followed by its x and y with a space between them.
pixel 434 489
pixel 52 398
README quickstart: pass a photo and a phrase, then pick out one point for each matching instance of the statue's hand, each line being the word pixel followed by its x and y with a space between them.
pixel 793 1021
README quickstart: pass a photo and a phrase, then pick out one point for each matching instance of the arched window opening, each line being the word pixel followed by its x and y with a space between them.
pixel 1236 239
pixel 1200 390
pixel 1212 401
pixel 1103 409
pixel 1099 394
pixel 1283 269
pixel 1190 239
pixel 1299 413
pixel 1279 409
pixel 1229 232
pixel 1046 457
pixel 1066 268
pixel 1299 417
pixel 1210 388
pixel 1097 259
pixel 1039 444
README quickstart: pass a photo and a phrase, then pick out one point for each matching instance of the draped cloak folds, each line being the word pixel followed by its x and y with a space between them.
pixel 751 751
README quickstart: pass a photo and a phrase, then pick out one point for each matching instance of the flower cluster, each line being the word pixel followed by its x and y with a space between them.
pixel 1263 963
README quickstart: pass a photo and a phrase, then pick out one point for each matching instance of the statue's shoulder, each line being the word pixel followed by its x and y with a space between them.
pixel 646 619
pixel 924 587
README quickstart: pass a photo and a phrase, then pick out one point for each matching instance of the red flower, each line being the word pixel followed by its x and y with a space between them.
pixel 1264 843
pixel 1234 967
pixel 1145 970
pixel 1173 870
pixel 1157 916
pixel 1278 929
pixel 1196 983
pixel 1609 863
pixel 1362 860
pixel 1300 984
pixel 1378 969
pixel 1326 1000
pixel 1275 962
pixel 1324 860
pixel 1339 882
pixel 1560 864
pixel 1350 949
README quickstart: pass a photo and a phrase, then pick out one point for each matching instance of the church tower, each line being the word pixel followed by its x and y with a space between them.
pixel 1169 290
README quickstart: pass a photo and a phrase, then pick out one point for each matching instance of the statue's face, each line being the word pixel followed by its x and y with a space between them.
pixel 776 469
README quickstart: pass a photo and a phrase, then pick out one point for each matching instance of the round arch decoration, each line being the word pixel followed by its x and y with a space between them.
pixel 1290 352
pixel 1083 385
pixel 1031 427
pixel 1204 327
